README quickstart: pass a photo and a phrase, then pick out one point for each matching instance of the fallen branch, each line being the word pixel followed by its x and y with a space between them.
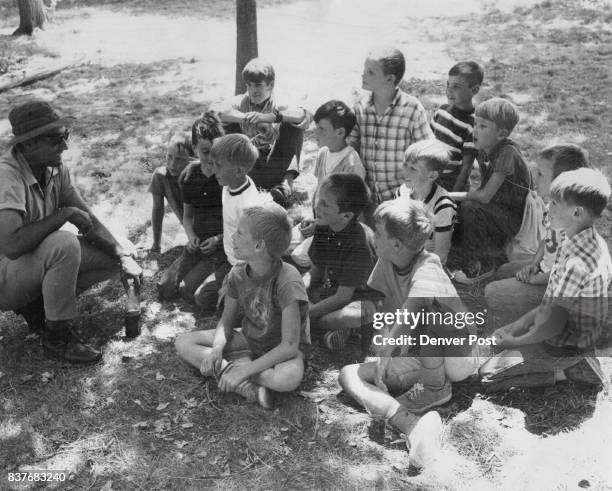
pixel 38 76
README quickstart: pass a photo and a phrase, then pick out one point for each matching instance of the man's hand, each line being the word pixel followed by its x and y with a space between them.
pixel 307 227
pixel 211 364
pixel 187 171
pixel 209 245
pixel 232 378
pixel 381 368
pixel 131 270
pixel 524 275
pixel 192 245
pixel 79 219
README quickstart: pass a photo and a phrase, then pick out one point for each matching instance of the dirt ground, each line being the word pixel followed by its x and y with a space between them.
pixel 140 419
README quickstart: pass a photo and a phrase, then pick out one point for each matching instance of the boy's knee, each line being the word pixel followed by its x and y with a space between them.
pixel 347 373
pixel 181 343
pixel 186 293
pixel 206 297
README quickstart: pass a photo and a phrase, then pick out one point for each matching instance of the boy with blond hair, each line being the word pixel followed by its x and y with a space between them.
pixel 233 156
pixel 453 123
pixel 520 285
pixel 424 164
pixel 277 130
pixel 492 214
pixel 556 340
pixel 267 352
pixel 388 121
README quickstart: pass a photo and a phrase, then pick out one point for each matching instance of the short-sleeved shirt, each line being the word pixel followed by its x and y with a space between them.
pixel 166 185
pixel 507 159
pixel 579 283
pixel 552 241
pixel 234 202
pixel 346 257
pixel 382 140
pixel 346 161
pixel 263 299
pixel 204 195
pixel 20 191
pixel 455 127
pixel 440 205
pixel 264 135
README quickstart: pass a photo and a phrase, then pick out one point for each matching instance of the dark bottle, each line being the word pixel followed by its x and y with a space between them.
pixel 132 311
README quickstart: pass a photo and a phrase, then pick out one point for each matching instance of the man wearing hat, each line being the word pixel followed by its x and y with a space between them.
pixel 42 268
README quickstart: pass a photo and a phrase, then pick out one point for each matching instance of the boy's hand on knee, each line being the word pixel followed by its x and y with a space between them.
pixel 211 364
pixel 232 378
pixel 524 275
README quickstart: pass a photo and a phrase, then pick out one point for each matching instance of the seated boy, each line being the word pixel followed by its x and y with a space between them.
pixel 268 351
pixel 276 130
pixel 453 123
pixel 342 257
pixel 556 340
pixel 202 219
pixel 425 161
pixel 492 214
pixel 412 279
pixel 521 284
pixel 233 156
pixel 388 121
pixel 164 184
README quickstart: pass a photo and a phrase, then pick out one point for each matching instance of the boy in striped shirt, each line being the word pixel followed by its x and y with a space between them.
pixel 424 163
pixel 453 123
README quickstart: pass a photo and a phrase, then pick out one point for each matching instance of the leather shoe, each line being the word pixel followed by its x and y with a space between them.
pixel 34 315
pixel 61 341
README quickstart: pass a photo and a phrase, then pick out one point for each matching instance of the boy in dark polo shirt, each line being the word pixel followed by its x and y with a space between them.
pixel 342 258
pixel 202 219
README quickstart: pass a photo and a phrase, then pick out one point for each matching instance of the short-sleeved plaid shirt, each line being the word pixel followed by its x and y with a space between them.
pixel 579 283
pixel 382 140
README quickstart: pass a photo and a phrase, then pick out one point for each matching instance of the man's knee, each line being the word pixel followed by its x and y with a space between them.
pixel 61 245
pixel 186 292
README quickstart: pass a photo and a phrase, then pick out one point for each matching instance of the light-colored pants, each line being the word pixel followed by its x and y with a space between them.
pixel 60 267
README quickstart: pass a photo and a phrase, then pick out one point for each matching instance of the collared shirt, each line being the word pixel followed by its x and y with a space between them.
pixel 579 283
pixel 20 191
pixel 382 140
pixel 204 195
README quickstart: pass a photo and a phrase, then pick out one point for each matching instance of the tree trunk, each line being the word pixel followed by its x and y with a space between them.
pixel 31 15
pixel 246 38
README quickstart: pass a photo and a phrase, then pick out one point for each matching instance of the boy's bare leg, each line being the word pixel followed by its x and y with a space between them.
pixel 194 346
pixel 284 377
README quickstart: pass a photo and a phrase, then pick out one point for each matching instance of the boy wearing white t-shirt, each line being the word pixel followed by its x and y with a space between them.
pixel 233 157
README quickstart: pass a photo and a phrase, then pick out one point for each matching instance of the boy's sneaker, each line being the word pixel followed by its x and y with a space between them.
pixel 336 340
pixel 424 441
pixel 473 273
pixel 420 399
pixel 255 393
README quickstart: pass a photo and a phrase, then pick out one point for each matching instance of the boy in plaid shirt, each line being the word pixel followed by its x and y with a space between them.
pixel 556 340
pixel 388 121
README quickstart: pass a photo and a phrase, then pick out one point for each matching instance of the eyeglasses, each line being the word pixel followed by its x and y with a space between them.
pixel 56 138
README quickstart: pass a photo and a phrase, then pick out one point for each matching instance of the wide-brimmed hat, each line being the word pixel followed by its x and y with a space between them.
pixel 33 118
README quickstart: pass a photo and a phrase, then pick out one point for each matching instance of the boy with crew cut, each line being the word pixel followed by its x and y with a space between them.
pixel 270 298
pixel 556 340
pixel 342 257
pixel 233 156
pixel 453 123
pixel 412 280
pixel 520 285
pixel 425 161
pixel 277 130
pixel 388 121
pixel 492 214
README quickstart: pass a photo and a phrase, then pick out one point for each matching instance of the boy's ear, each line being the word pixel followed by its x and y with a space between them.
pixel 433 175
pixel 475 89
pixel 503 132
pixel 348 215
pixel 341 132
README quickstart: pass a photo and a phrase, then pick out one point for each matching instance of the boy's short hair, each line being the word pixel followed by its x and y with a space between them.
pixel 350 191
pixel 338 114
pixel 406 220
pixel 271 224
pixel 258 70
pixel 433 152
pixel 235 149
pixel 584 187
pixel 207 127
pixel 565 158
pixel 471 71
pixel 392 62
pixel 182 142
pixel 500 111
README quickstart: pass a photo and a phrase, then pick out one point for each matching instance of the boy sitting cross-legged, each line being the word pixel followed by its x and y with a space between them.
pixel 202 219
pixel 521 284
pixel 425 161
pixel 453 123
pixel 268 351
pixel 233 156
pixel 556 340
pixel 342 257
pixel 412 280
pixel 388 121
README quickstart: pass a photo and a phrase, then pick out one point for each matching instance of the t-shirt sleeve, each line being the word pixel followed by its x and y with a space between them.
pixel 468 147
pixel 377 279
pixel 426 282
pixel 12 192
pixel 506 161
pixel 445 210
pixel 355 164
pixel 420 129
pixel 157 181
pixel 233 280
pixel 570 285
pixel 290 288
